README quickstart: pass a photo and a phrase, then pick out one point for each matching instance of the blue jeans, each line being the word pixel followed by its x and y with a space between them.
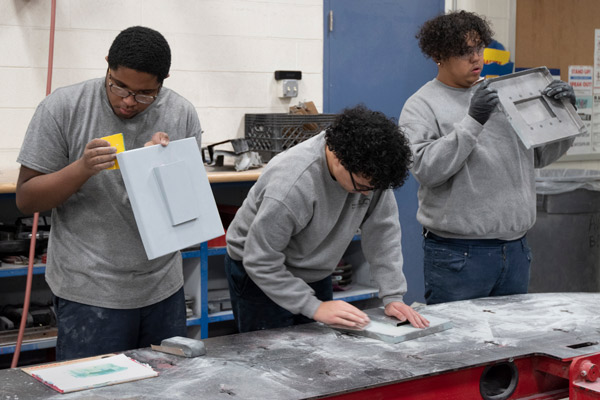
pixel 457 269
pixel 85 331
pixel 253 310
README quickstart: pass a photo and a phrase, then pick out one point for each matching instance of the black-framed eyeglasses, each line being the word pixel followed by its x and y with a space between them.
pixel 474 50
pixel 361 188
pixel 122 92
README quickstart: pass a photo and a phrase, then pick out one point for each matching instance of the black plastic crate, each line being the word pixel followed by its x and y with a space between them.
pixel 269 134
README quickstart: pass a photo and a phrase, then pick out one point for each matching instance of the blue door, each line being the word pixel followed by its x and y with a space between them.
pixel 371 56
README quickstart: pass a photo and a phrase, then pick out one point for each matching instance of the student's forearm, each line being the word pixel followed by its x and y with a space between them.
pixel 46 191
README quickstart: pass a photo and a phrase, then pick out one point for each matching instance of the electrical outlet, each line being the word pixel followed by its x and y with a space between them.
pixel 288 88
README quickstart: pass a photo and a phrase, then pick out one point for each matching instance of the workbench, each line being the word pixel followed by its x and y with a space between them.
pixel 195 260
pixel 228 186
pixel 538 335
pixel 8 178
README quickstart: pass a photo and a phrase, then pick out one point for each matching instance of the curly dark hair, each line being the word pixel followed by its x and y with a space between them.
pixel 370 144
pixel 446 35
pixel 142 49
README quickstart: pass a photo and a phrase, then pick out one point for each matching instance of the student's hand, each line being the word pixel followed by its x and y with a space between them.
pixel 158 138
pixel 483 102
pixel 558 89
pixel 338 312
pixel 403 312
pixel 98 155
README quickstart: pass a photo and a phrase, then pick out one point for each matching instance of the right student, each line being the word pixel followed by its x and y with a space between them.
pixel 477 195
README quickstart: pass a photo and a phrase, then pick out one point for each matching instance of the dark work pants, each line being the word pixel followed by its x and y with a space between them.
pixel 85 331
pixel 253 310
pixel 457 269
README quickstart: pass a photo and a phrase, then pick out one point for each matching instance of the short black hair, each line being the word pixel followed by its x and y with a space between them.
pixel 142 49
pixel 370 144
pixel 446 35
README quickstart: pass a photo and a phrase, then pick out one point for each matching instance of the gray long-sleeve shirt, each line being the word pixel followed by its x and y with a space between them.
pixel 476 181
pixel 297 221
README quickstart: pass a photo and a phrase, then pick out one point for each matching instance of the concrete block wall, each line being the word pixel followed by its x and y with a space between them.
pixel 224 54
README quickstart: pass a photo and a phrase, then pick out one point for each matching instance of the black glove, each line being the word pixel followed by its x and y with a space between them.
pixel 559 89
pixel 483 102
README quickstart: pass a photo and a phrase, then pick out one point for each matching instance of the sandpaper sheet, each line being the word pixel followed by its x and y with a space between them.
pixel 391 330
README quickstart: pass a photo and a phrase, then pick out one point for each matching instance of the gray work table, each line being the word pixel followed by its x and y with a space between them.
pixel 313 361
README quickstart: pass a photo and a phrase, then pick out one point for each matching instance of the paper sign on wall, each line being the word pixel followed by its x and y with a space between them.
pixel 581 79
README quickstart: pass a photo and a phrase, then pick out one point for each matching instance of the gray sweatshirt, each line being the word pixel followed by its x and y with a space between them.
pixel 297 221
pixel 476 181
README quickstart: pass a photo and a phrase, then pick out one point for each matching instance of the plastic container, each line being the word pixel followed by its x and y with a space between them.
pixel 565 239
pixel 270 134
pixel 556 181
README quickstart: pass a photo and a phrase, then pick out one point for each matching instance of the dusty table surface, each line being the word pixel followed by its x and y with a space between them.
pixel 312 360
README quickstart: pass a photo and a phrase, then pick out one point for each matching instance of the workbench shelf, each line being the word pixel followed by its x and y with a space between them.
pixel 359 292
pixel 197 285
pixel 8 270
pixel 29 346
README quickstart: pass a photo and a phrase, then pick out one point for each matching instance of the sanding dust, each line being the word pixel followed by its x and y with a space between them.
pixel 387 329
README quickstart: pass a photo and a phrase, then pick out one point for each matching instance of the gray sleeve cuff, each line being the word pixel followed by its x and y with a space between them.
pixel 310 308
pixel 390 299
pixel 471 126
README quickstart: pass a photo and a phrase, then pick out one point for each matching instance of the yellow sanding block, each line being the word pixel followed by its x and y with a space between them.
pixel 181 346
pixel 115 141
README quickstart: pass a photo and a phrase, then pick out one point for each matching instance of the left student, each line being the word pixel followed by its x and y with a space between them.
pixel 108 296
